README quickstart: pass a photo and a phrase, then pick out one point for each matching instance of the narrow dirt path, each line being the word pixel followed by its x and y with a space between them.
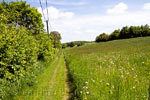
pixel 53 79
pixel 53 83
pixel 67 95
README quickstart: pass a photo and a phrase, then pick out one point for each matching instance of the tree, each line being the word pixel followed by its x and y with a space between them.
pixel 115 35
pixel 21 14
pixel 102 37
pixel 124 33
pixel 57 37
pixel 145 30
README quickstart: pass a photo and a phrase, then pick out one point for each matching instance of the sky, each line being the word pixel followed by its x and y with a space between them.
pixel 85 19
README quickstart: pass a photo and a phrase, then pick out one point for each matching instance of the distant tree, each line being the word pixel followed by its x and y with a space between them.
pixel 71 44
pixel 115 35
pixel 80 43
pixel 132 31
pixel 64 45
pixel 57 37
pixel 124 33
pixel 145 30
pixel 102 37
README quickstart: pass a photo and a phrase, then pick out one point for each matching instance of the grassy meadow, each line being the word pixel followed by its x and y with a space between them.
pixel 114 70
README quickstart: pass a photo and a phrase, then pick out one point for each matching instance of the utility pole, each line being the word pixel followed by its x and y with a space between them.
pixel 47 27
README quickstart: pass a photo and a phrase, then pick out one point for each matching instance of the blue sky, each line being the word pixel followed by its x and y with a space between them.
pixel 85 19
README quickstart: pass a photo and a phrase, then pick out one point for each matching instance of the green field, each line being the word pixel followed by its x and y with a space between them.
pixel 114 70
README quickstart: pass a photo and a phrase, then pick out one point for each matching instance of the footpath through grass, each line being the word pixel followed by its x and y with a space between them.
pixel 51 83
pixel 114 70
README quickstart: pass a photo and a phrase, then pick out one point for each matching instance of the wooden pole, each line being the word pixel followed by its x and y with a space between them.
pixel 47 27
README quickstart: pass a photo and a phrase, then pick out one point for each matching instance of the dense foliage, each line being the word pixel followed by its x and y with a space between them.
pixel 16 54
pixel 57 37
pixel 23 44
pixel 125 32
pixel 75 43
pixel 21 14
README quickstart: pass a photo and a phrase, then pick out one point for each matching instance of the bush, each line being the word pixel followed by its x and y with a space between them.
pixel 18 52
pixel 45 47
pixel 80 43
pixel 102 37
pixel 64 45
pixel 18 58
pixel 71 44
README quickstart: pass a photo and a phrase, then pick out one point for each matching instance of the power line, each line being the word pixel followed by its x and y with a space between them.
pixel 48 16
pixel 48 24
pixel 42 9
pixel 47 10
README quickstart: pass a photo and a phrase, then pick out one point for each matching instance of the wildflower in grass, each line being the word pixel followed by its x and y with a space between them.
pixel 93 81
pixel 133 87
pixel 136 80
pixel 122 76
pixel 86 82
pixel 87 92
pixel 113 86
pixel 135 76
pixel 84 87
pixel 107 84
pixel 81 92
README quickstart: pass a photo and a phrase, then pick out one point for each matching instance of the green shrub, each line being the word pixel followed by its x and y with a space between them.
pixel 46 47
pixel 64 45
pixel 18 52
pixel 71 44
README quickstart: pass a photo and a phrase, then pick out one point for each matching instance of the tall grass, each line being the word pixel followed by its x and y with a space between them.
pixel 115 70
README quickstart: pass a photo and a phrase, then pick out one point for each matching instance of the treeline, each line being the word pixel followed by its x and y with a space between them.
pixel 75 43
pixel 23 43
pixel 125 32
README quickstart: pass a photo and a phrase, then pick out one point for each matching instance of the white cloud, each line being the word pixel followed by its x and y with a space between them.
pixel 118 9
pixel 75 27
pixel 57 14
pixel 146 6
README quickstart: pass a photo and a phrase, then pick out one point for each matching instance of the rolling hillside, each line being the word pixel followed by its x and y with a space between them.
pixel 114 70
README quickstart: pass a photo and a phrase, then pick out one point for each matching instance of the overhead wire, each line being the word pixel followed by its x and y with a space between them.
pixel 42 10
pixel 48 16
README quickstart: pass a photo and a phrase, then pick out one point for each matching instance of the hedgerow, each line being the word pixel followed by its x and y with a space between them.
pixel 24 47
pixel 46 47
pixel 19 53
